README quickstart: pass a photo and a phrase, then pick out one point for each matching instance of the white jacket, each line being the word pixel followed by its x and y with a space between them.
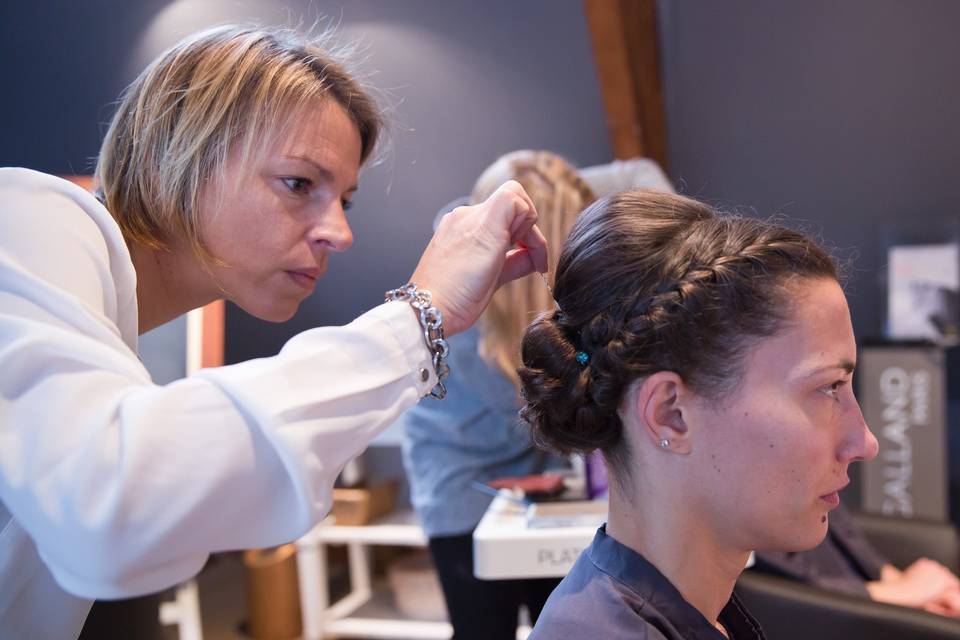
pixel 123 487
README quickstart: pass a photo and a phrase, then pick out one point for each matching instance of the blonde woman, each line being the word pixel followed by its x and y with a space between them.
pixel 226 173
pixel 476 436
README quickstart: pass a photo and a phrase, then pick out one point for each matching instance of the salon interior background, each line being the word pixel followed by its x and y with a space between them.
pixel 843 114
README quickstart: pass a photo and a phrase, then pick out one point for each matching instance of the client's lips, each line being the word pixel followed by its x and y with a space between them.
pixel 833 498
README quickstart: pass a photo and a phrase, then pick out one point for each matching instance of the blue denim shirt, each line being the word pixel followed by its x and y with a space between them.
pixel 613 592
pixel 475 433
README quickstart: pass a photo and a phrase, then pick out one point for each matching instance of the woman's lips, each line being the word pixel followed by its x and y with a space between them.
pixel 833 499
pixel 305 280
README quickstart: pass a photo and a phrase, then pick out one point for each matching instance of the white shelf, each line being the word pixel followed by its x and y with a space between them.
pixel 376 628
pixel 360 614
pixel 400 528
pixel 367 612
pixel 378 617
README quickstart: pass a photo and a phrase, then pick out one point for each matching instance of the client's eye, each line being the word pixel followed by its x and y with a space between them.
pixel 833 390
pixel 297 185
pixel 346 204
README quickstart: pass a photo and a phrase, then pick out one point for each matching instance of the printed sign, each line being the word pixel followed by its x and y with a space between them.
pixel 901 392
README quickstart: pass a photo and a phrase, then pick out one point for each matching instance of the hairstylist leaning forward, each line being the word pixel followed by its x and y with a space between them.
pixel 225 174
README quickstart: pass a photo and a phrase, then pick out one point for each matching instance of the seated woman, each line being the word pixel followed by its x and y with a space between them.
pixel 709 358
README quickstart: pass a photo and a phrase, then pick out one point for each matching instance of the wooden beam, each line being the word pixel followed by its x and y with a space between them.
pixel 213 315
pixel 626 53
pixel 84 182
pixel 212 335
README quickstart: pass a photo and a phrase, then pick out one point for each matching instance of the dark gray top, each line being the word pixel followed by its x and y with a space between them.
pixel 612 592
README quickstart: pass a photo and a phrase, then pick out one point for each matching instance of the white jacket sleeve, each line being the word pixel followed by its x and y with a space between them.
pixel 127 486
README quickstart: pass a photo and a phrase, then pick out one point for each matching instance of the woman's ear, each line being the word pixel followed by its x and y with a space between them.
pixel 658 404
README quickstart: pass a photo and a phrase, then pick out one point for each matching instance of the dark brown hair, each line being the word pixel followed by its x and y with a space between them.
pixel 650 281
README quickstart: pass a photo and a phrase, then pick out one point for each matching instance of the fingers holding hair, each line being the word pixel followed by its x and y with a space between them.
pixel 528 252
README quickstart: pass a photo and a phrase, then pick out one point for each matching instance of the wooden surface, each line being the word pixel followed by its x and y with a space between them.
pixel 212 339
pixel 623 34
pixel 85 182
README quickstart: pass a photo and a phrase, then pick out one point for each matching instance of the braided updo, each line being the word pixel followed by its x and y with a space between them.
pixel 650 281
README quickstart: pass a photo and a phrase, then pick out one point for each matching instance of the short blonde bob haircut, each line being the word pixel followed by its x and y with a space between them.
pixel 219 91
pixel 559 194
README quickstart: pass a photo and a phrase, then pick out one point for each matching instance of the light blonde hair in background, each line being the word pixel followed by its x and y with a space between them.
pixel 559 194
pixel 222 90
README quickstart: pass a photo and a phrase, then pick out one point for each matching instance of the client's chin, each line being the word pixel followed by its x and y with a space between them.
pixel 799 538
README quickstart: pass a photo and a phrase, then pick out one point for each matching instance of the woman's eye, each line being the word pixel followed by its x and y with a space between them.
pixel 297 185
pixel 833 390
pixel 346 204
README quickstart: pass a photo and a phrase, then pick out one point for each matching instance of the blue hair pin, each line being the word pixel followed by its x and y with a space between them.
pixel 583 358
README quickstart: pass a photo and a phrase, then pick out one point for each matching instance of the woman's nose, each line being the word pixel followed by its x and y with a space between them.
pixel 331 229
pixel 859 442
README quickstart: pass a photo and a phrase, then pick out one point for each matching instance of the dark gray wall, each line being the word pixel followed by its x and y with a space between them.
pixel 843 114
pixel 62 65
pixel 468 81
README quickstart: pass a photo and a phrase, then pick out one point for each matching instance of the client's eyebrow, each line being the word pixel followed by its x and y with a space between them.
pixel 847 366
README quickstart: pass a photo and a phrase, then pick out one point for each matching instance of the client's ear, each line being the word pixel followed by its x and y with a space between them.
pixel 658 404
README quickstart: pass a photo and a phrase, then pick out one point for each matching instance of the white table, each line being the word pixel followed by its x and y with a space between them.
pixel 505 546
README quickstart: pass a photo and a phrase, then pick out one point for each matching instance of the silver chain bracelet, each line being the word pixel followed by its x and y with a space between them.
pixel 431 320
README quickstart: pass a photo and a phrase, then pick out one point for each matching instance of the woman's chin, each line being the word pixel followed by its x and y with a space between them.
pixel 277 312
pixel 796 539
pixel 806 540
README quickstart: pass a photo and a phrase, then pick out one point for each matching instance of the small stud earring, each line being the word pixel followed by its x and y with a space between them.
pixel 664 444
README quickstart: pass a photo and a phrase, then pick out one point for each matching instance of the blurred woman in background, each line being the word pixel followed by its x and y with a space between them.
pixel 475 436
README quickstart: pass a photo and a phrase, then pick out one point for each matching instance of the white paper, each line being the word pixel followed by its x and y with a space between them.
pixel 924 287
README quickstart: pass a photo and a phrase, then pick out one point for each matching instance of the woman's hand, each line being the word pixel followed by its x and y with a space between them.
pixel 925 584
pixel 476 249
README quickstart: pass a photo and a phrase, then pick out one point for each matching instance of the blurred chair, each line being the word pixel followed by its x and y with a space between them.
pixel 619 175
pixel 903 541
pixel 789 610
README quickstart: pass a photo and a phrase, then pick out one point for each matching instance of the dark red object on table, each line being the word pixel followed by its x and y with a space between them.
pixel 548 484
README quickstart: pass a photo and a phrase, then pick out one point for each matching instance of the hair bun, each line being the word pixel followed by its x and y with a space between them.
pixel 556 388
